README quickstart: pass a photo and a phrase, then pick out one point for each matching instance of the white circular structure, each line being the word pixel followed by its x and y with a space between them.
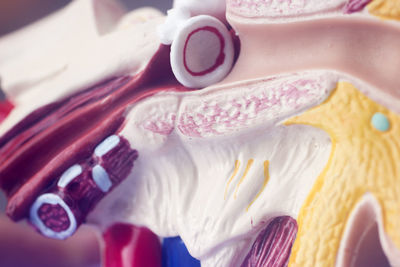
pixel 202 52
pixel 52 199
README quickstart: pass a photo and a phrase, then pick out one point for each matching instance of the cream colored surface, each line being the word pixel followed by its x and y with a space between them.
pixel 42 50
pixel 361 47
pixel 124 51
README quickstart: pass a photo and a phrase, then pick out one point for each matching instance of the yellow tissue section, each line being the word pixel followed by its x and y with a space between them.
pixel 246 171
pixel 386 9
pixel 235 171
pixel 362 160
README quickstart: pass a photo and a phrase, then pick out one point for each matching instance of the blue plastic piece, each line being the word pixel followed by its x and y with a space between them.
pixel 175 254
pixel 380 122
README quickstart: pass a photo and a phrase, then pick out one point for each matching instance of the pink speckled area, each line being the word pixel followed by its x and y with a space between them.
pixel 217 114
pixel 282 8
pixel 277 5
pixel 162 124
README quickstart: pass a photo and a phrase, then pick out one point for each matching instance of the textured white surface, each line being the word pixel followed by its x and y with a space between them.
pixel 275 9
pixel 179 185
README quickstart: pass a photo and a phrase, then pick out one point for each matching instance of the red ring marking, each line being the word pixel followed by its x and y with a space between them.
pixel 220 59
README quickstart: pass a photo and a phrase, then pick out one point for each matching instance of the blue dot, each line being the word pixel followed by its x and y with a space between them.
pixel 380 122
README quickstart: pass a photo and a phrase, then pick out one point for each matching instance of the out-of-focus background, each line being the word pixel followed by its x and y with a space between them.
pixel 15 14
pixel 20 246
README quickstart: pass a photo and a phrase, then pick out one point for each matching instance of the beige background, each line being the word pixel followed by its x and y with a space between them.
pixel 17 13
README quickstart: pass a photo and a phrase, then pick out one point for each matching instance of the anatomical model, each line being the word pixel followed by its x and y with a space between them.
pixel 262 133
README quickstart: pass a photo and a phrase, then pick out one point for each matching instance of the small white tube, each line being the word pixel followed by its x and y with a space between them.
pixel 202 52
pixel 52 199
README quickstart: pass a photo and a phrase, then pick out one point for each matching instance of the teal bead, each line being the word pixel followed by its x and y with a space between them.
pixel 380 122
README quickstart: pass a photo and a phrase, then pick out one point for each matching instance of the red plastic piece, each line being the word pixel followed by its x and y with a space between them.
pixel 5 108
pixel 130 246
pixel 63 133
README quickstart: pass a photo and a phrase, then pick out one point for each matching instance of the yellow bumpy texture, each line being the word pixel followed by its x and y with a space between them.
pixel 386 9
pixel 362 160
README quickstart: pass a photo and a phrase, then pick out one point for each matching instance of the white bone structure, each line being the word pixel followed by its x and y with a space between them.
pixel 202 52
pixel 186 29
